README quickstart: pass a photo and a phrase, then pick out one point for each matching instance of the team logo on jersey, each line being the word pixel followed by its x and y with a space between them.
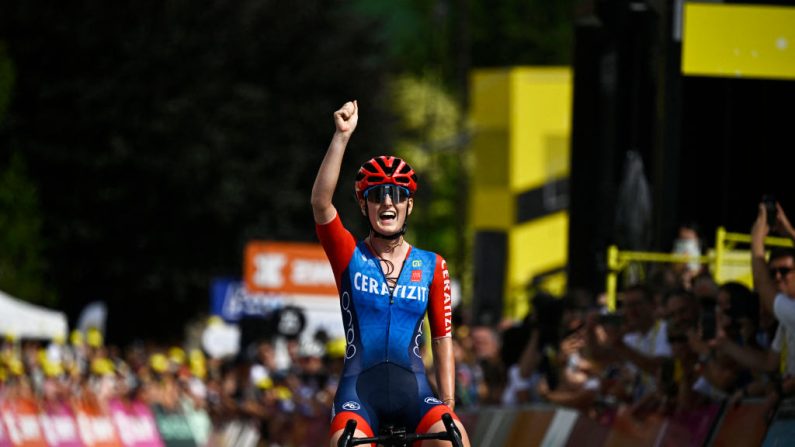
pixel 432 400
pixel 417 263
pixel 416 275
pixel 351 406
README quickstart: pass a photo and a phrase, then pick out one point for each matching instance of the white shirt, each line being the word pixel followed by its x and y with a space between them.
pixel 784 310
pixel 653 343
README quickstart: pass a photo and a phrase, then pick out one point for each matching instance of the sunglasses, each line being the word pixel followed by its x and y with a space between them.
pixel 378 193
pixel 783 271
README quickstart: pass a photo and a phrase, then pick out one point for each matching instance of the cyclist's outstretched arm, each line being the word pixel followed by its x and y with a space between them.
pixel 345 120
pixel 444 361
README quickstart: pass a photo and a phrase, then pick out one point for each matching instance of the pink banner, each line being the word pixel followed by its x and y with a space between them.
pixel 135 423
pixel 4 441
pixel 59 425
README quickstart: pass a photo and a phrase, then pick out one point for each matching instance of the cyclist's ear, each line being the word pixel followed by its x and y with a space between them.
pixel 410 205
pixel 362 207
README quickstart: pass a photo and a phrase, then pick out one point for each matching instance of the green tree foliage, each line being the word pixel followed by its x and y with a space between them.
pixel 431 140
pixel 22 264
pixel 164 135
pixel 522 32
pixel 6 79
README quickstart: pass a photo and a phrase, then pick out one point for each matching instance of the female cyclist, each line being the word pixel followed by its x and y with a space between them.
pixel 385 286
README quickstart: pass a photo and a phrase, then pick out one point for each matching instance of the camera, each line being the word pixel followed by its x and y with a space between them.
pixel 770 206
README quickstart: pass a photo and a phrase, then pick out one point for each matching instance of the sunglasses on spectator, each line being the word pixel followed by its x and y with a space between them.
pixel 378 193
pixel 783 271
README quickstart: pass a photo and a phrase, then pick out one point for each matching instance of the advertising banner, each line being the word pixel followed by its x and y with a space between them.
pixel 174 428
pixel 135 423
pixel 231 300
pixel 95 426
pixel 59 425
pixel 21 419
pixel 288 268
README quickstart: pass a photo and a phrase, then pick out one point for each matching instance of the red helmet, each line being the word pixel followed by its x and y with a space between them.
pixel 385 169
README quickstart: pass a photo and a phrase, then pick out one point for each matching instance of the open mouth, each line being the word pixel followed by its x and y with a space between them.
pixel 387 216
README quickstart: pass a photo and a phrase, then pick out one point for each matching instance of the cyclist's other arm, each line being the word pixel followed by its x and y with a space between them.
pixel 444 361
pixel 345 120
pixel 440 315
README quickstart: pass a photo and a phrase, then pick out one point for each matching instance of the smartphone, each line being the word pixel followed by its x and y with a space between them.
pixel 770 206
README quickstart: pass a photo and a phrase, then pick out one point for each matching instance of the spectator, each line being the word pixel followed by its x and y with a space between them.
pixel 640 341
pixel 486 349
pixel 774 281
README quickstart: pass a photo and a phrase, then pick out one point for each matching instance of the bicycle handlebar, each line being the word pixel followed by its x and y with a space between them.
pixel 451 434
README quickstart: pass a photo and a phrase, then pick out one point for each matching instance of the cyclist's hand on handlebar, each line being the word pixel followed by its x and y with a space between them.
pixel 347 117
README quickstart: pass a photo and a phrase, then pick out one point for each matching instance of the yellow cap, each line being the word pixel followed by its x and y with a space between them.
pixel 336 348
pixel 94 338
pixel 158 363
pixel 176 355
pixel 11 337
pixel 102 366
pixel 3 375
pixel 52 369
pixel 58 339
pixel 265 383
pixel 283 393
pixel 41 356
pixel 197 363
pixel 76 338
pixel 15 366
pixel 215 320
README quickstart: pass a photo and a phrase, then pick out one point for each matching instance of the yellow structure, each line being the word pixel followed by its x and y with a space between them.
pixel 522 124
pixel 726 261
pixel 728 40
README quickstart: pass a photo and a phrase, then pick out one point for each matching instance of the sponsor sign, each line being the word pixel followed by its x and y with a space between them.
pixel 288 268
pixel 231 300
pixel 135 423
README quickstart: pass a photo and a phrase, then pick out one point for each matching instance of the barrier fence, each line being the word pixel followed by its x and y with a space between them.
pixel 750 422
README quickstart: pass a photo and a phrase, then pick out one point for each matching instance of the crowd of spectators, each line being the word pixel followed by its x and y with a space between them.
pixel 678 340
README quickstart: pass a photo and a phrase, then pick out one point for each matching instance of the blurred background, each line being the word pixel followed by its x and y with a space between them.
pixel 144 145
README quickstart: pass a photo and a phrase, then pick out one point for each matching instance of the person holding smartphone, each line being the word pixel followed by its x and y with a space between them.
pixel 386 286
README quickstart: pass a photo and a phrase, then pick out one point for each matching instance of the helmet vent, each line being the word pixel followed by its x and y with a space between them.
pixel 387 170
pixel 405 169
pixel 375 178
pixel 369 166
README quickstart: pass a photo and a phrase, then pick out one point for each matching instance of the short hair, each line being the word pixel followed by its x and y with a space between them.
pixel 781 252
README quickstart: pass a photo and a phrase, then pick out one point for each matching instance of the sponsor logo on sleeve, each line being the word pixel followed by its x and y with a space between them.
pixel 351 406
pixel 416 275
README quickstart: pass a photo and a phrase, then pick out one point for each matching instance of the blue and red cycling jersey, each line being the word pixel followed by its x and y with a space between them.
pixel 383 328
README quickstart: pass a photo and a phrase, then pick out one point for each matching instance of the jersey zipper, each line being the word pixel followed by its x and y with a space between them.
pixel 391 295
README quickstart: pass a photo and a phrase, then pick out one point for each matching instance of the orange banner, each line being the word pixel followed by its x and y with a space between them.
pixel 21 418
pixel 288 268
pixel 95 425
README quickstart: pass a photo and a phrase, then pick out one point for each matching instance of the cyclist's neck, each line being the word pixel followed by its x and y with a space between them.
pixel 385 248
